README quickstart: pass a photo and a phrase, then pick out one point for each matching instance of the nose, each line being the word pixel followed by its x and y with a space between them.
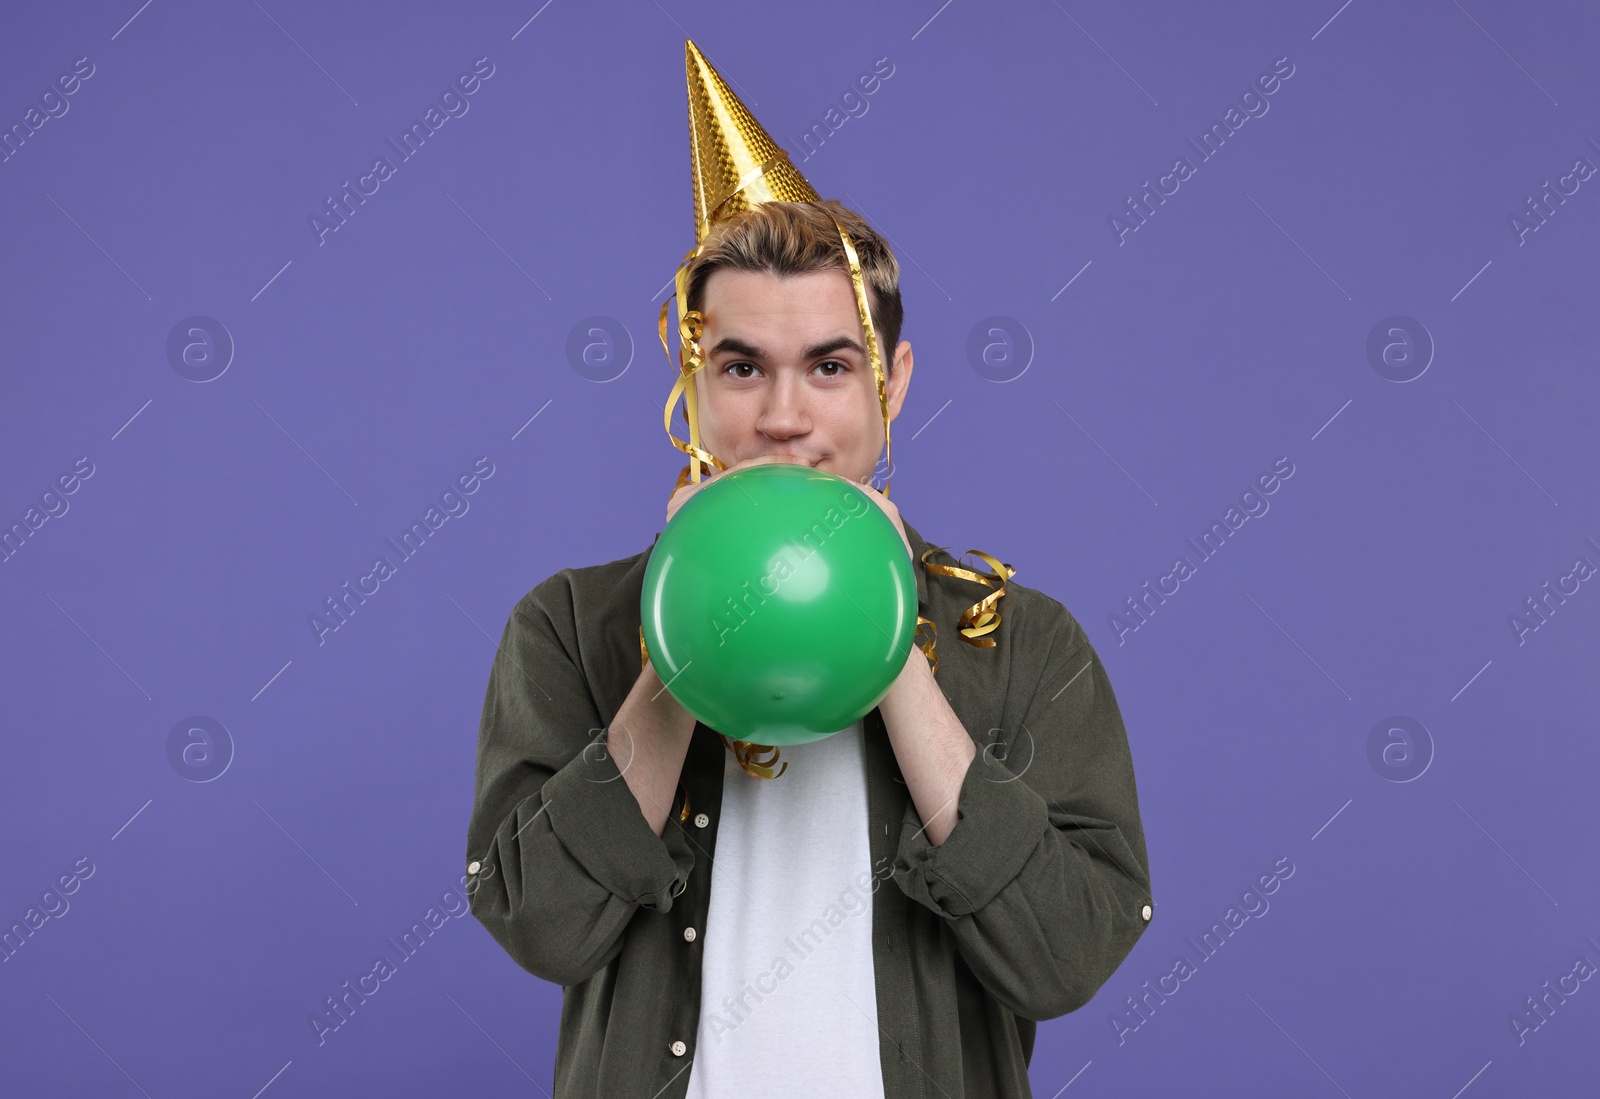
pixel 784 414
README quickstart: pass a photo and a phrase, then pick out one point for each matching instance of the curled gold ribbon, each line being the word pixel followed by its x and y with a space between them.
pixel 871 333
pixel 929 649
pixel 980 619
pixel 691 358
pixel 754 758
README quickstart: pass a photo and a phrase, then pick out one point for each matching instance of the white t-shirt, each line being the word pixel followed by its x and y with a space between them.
pixel 787 1002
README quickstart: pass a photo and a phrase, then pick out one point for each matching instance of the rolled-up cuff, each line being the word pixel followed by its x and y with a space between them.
pixel 1001 820
pixel 598 820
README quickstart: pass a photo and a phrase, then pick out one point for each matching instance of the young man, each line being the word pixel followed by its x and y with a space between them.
pixel 884 912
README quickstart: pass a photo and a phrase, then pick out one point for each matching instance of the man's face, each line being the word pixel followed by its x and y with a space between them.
pixel 786 372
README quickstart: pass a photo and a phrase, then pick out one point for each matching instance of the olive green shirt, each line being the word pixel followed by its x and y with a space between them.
pixel 1031 902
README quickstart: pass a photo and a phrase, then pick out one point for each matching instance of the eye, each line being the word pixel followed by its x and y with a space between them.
pixel 734 366
pixel 844 368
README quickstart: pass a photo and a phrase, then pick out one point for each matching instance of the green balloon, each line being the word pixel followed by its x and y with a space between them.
pixel 779 604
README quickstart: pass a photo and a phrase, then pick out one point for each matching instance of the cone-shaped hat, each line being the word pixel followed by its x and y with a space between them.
pixel 736 164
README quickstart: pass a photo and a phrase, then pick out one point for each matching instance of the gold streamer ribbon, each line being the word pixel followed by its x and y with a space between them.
pixel 873 356
pixel 981 618
pixel 929 649
pixel 691 358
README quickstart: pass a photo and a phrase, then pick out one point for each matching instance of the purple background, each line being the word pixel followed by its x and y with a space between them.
pixel 372 369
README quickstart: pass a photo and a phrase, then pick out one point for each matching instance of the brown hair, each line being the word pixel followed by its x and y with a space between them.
pixel 794 238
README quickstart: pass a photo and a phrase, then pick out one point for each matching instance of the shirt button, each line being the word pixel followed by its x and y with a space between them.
pixel 688 934
pixel 701 820
pixel 1146 912
pixel 678 1049
pixel 474 866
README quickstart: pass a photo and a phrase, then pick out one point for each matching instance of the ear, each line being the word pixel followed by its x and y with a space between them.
pixel 899 379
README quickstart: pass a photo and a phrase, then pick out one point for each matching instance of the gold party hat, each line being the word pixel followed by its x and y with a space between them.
pixel 737 166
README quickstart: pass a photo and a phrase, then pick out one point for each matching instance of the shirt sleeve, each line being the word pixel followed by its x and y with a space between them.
pixel 1043 881
pixel 560 855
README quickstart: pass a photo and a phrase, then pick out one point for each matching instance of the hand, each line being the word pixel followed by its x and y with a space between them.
pixel 677 499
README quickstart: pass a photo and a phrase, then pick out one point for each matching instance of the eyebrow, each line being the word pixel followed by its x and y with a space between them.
pixel 826 347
